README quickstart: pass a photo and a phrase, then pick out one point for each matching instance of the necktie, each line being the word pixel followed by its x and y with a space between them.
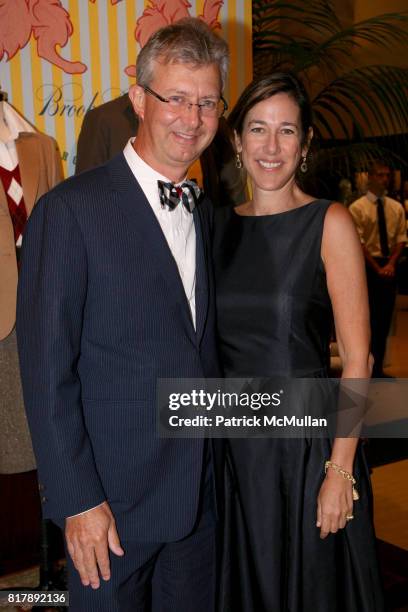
pixel 382 228
pixel 171 195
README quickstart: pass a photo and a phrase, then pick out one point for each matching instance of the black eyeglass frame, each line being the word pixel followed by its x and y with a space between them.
pixel 190 104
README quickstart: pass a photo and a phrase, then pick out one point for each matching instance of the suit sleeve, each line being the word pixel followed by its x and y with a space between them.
pixel 92 148
pixel 50 305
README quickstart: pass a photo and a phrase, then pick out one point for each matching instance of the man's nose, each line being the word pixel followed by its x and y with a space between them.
pixel 192 114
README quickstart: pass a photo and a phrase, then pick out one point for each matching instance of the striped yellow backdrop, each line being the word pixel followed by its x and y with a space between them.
pixel 55 97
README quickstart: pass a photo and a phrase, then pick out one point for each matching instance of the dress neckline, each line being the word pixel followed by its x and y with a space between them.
pixel 277 214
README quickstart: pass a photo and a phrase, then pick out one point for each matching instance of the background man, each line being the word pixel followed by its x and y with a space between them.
pixel 381 224
pixel 114 294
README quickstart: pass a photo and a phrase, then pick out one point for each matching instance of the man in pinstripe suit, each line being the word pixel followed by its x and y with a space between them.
pixel 115 293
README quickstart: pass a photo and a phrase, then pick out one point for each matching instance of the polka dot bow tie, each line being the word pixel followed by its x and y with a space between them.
pixel 188 193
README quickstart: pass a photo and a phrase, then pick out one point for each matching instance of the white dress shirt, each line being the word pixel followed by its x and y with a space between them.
pixel 14 123
pixel 177 225
pixel 364 213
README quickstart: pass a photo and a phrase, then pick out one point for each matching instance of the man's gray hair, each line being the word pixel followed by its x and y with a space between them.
pixel 188 41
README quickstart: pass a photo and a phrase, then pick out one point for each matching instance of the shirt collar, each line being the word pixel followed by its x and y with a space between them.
pixel 15 122
pixel 147 178
pixel 144 174
pixel 373 198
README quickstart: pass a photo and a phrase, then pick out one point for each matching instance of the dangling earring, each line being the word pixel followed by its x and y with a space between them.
pixel 303 165
pixel 238 162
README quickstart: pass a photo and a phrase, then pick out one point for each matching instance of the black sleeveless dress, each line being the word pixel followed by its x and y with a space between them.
pixel 275 319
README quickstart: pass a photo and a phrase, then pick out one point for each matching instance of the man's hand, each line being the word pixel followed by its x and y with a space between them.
pixel 387 271
pixel 89 537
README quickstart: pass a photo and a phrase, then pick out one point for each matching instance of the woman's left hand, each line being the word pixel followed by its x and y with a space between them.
pixel 334 503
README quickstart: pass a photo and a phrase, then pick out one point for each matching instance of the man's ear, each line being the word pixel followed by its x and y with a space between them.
pixel 137 97
pixel 238 145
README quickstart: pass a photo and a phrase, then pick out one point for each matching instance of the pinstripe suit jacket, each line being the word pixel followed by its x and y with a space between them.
pixel 101 314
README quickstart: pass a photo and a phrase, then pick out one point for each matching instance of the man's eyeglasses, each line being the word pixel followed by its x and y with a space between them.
pixel 179 103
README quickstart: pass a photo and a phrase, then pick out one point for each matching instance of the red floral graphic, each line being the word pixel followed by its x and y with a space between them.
pixel 49 23
pixel 158 15
pixel 164 12
pixel 211 10
pixel 51 26
pixel 113 2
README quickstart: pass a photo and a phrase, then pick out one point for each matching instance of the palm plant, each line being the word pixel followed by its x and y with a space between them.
pixel 351 103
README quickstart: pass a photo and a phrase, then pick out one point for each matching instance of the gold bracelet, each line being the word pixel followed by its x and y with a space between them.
pixel 346 475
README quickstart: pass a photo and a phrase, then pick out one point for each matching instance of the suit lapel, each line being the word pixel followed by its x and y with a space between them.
pixel 29 163
pixel 143 221
pixel 201 274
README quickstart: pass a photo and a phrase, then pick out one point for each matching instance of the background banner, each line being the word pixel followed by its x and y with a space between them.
pixel 60 58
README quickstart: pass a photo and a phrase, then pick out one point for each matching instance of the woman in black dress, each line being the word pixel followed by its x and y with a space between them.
pixel 285 264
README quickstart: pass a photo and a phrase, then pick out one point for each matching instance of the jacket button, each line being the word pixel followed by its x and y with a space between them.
pixel 41 487
pixel 43 500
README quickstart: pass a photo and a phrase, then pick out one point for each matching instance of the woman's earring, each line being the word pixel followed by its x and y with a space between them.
pixel 238 161
pixel 303 165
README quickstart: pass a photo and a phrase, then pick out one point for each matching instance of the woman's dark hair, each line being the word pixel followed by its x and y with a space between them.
pixel 262 89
